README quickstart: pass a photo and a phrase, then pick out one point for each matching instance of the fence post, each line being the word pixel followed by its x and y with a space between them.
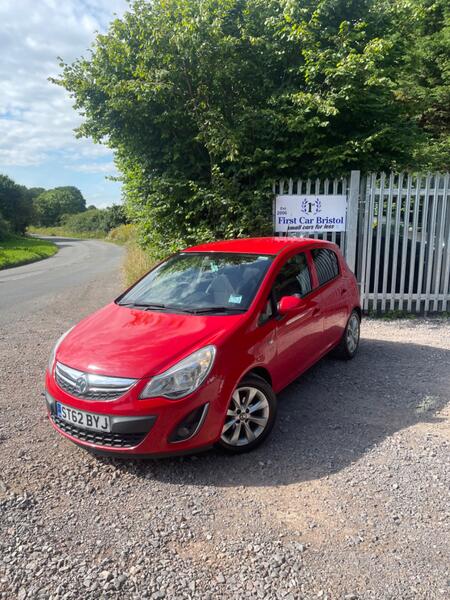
pixel 352 220
pixel 274 209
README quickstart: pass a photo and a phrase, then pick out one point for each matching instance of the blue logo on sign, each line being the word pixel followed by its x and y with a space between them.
pixel 311 207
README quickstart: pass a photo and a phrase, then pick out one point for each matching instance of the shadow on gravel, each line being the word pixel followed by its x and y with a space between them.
pixel 328 419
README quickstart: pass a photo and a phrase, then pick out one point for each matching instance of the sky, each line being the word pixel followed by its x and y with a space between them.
pixel 38 147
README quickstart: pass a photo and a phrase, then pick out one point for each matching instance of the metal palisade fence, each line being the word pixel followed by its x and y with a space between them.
pixel 404 242
pixel 397 236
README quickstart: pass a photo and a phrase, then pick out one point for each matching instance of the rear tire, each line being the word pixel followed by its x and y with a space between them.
pixel 250 416
pixel 349 344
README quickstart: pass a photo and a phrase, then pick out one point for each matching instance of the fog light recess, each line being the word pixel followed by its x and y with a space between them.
pixel 190 425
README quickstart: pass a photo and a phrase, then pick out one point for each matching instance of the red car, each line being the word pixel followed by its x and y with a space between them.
pixel 193 354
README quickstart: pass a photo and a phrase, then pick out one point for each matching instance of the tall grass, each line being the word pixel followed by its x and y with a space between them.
pixel 122 234
pixel 137 261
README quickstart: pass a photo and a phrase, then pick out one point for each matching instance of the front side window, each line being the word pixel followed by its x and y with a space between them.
pixel 215 282
pixel 326 264
pixel 293 279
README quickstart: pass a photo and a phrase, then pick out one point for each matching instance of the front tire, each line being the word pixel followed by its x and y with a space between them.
pixel 349 344
pixel 250 416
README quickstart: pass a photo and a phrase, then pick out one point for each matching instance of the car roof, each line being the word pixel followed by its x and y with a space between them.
pixel 258 245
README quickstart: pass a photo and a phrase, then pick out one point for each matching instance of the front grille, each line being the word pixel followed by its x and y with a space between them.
pixel 71 389
pixel 113 440
pixel 90 386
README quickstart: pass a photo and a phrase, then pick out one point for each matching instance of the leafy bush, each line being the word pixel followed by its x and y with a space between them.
pixel 90 220
pixel 61 231
pixel 114 216
pixel 93 220
pixel 174 214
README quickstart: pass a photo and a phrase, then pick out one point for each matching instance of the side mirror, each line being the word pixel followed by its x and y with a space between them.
pixel 289 303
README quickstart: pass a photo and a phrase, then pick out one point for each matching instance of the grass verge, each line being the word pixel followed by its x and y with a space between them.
pixel 16 250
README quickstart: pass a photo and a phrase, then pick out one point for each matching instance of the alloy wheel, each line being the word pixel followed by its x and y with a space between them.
pixel 352 335
pixel 247 416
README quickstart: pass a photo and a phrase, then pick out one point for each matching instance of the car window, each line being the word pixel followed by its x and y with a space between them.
pixel 326 263
pixel 293 279
pixel 201 281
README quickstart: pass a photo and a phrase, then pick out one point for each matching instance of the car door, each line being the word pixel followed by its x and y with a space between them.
pixel 298 335
pixel 331 294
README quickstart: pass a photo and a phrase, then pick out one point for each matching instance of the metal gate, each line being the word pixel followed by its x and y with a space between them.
pixel 404 242
pixel 397 238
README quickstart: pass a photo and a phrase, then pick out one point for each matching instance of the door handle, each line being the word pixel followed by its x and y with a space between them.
pixel 343 291
pixel 315 312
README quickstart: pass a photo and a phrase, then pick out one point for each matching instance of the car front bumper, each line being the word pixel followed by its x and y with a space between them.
pixel 143 427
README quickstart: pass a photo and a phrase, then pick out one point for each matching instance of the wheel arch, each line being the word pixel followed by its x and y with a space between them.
pixel 260 372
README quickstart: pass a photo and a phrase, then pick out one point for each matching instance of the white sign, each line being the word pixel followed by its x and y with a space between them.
pixel 310 214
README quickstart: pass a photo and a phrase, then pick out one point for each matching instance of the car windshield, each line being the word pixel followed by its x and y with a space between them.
pixel 213 282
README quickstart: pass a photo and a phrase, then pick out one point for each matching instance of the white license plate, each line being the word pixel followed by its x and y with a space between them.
pixel 83 419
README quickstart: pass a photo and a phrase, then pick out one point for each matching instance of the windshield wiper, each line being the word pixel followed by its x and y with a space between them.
pixel 147 305
pixel 213 309
pixel 177 308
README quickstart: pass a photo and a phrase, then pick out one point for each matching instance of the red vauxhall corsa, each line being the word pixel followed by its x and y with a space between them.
pixel 193 354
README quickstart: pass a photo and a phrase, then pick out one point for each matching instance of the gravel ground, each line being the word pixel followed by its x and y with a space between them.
pixel 348 499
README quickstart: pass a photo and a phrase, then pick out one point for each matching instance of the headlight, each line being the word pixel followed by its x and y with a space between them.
pixel 183 378
pixel 55 348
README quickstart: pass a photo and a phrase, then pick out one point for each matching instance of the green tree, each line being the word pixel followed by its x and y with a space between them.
pixel 15 205
pixel 206 103
pixel 34 192
pixel 51 205
pixel 4 228
pixel 425 81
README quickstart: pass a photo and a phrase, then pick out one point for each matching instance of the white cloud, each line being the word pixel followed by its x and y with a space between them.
pixel 95 167
pixel 36 117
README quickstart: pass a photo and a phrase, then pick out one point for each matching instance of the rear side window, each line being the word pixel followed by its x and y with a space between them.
pixel 326 263
pixel 293 279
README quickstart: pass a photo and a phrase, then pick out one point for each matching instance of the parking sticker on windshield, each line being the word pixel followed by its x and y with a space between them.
pixel 235 299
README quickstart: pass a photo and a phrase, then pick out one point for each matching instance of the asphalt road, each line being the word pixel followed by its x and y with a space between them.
pixel 348 499
pixel 35 285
